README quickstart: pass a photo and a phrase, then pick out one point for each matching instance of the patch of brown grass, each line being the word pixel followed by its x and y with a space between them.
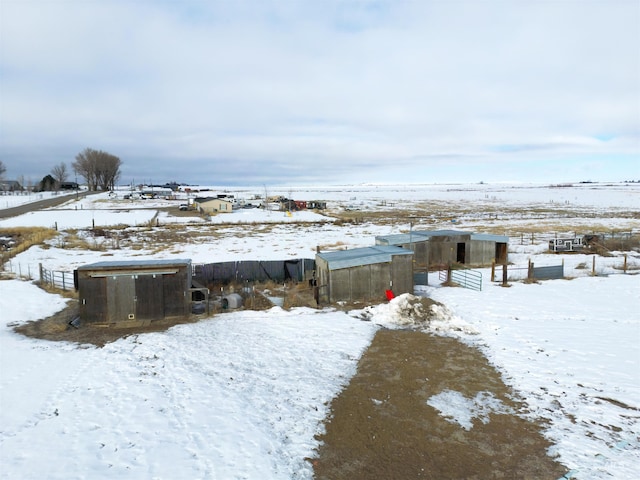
pixel 23 238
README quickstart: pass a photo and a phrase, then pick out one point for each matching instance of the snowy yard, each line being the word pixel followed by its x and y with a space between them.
pixel 241 395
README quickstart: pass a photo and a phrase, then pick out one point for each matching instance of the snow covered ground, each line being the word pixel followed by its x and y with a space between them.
pixel 242 394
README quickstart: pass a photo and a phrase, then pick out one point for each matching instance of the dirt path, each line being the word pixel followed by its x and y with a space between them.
pixel 383 428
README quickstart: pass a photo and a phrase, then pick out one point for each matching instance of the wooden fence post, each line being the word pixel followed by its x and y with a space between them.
pixel 624 266
pixel 493 269
pixel 530 271
pixel 504 275
pixel 593 267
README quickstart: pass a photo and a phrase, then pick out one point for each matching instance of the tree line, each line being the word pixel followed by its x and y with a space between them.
pixel 100 170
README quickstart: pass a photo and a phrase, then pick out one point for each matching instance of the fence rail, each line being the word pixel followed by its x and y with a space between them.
pixel 530 272
pixel 532 238
pixel 57 279
pixel 465 277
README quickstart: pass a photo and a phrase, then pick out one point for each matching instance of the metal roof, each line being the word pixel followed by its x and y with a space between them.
pixel 361 256
pixel 490 238
pixel 425 235
pixel 133 264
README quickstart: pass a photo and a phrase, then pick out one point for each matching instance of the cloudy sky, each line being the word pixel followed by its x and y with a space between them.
pixel 304 91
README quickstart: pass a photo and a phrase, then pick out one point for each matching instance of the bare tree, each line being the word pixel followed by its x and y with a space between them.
pixel 2 168
pixel 59 172
pixel 99 169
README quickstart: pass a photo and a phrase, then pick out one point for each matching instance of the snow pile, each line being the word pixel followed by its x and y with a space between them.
pixel 416 313
pixel 457 408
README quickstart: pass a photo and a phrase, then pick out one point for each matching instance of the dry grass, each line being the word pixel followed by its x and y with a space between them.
pixel 332 246
pixel 23 238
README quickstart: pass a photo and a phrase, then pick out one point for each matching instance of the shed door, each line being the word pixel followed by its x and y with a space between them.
pixel 149 297
pixel 460 257
pixel 121 298
pixel 501 253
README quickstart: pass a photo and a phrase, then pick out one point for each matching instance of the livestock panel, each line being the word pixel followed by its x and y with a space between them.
pixel 552 272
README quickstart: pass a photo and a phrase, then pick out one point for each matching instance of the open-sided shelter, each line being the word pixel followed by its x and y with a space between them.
pixel 133 293
pixel 450 246
pixel 362 274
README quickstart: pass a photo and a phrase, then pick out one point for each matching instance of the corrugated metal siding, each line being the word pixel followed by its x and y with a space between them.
pixel 553 272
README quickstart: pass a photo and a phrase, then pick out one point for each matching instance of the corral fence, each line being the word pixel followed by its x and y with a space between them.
pixel 12 269
pixel 462 276
pixel 530 272
pixel 52 278
pixel 56 279
pixel 244 271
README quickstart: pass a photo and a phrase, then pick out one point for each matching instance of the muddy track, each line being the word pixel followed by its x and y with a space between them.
pixel 381 426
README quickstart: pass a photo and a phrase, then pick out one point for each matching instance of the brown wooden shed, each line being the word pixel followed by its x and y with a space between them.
pixel 362 274
pixel 133 293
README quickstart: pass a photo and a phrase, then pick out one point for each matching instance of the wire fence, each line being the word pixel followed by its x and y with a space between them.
pixel 57 279
pixel 533 238
pixel 53 278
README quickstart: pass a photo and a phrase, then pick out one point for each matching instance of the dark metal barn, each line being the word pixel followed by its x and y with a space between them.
pixel 362 274
pixel 450 246
pixel 134 293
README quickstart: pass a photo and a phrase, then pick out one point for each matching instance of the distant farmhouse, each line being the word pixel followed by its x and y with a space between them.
pixel 10 186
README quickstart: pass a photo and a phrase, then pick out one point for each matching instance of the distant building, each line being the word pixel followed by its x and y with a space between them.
pixel 209 205
pixel 363 274
pixel 69 186
pixel 10 186
pixel 450 246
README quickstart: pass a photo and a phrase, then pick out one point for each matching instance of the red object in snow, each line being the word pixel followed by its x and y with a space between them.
pixel 390 295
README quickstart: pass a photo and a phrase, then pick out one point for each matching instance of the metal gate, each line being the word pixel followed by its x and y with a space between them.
pixel 465 277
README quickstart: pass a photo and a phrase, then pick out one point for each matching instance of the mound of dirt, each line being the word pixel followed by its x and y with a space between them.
pixel 382 426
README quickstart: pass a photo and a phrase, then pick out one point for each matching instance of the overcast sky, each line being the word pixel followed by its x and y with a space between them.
pixel 289 92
